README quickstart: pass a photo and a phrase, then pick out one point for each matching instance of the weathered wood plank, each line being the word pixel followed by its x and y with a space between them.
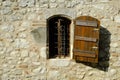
pixel 86 23
pixel 84 55
pixel 82 51
pixel 85 38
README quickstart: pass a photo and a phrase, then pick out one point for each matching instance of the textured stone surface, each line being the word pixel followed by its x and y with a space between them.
pixel 112 72
pixel 70 13
pixel 17 72
pixel 53 75
pixel 59 62
pixel 39 35
pixel 53 5
pixel 44 6
pixel 39 70
pixel 6 10
pixel 114 45
pixel 22 35
pixel 61 0
pixel 7 3
pixel 117 63
pixel 25 23
pixel 24 3
pixel 24 53
pixel 117 18
pixel 7 28
pixel 105 0
pixel 52 0
pixel 21 43
pixel 15 17
pixel 43 53
pixel 23 40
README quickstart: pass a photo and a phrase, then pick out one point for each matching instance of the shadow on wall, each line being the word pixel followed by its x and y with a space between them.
pixel 104 47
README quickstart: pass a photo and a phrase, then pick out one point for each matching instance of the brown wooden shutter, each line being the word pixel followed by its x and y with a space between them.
pixel 86 39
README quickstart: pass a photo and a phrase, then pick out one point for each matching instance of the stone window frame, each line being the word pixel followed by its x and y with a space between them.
pixel 67 13
pixel 71 35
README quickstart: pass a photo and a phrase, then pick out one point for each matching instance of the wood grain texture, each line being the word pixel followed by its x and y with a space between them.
pixel 86 39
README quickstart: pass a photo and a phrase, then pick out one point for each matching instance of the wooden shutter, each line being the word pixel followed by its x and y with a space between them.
pixel 86 39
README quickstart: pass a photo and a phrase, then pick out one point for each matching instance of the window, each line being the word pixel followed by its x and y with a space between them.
pixel 86 38
pixel 58 30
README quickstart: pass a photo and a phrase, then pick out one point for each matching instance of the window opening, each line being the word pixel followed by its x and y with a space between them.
pixel 58 36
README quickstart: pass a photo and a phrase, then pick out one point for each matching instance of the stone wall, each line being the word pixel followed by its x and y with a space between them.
pixel 23 54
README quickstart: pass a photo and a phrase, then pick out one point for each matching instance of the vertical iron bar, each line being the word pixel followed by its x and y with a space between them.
pixel 59 37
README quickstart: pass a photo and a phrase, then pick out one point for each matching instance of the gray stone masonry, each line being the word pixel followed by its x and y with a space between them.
pixel 23 40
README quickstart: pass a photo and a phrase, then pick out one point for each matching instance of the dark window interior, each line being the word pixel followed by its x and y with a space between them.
pixel 58 37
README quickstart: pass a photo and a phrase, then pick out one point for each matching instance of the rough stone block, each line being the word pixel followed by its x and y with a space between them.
pixel 7 28
pixel 14 53
pixel 17 72
pixel 61 1
pixel 36 63
pixel 7 3
pixel 53 5
pixel 70 13
pixel 116 64
pixel 44 6
pixel 117 18
pixel 36 24
pixel 33 55
pixel 88 0
pixel 15 17
pixel 52 75
pixel 105 0
pixel 16 8
pixel 4 77
pixel 2 44
pixel 43 1
pixel 31 3
pixel 114 44
pixel 26 23
pixel 21 43
pixel 61 5
pixel 118 50
pixel 22 35
pixel 52 0
pixel 6 10
pixel 68 4
pixel 24 3
pixel 43 53
pixel 59 62
pixel 24 53
pixel 32 16
pixel 39 35
pixel 8 36
pixel 112 72
pixel 99 6
pixel 39 70
pixel 23 66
